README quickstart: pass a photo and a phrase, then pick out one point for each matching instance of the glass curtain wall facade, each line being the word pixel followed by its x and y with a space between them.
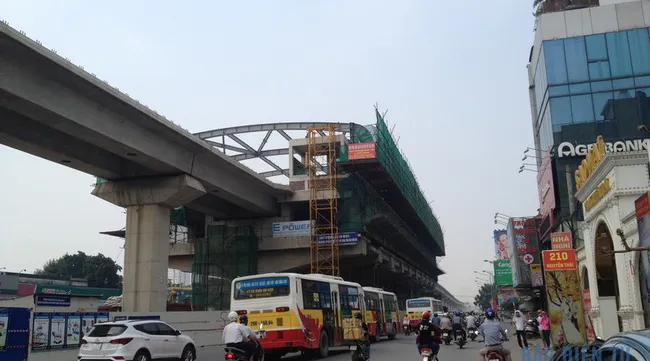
pixel 593 85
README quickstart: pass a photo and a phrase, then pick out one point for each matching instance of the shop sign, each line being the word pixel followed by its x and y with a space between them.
pixel 600 192
pixel 502 272
pixel 357 151
pixel 55 291
pixel 59 301
pixel 590 163
pixel 561 240
pixel 292 229
pixel 536 275
pixel 560 260
pixel 567 149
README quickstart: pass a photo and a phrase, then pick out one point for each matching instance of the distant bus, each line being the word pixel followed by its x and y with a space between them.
pixel 381 313
pixel 299 312
pixel 416 306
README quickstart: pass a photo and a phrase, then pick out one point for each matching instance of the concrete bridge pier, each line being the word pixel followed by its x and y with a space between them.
pixel 148 203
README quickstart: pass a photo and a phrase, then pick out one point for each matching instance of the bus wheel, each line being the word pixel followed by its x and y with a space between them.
pixel 391 336
pixel 324 346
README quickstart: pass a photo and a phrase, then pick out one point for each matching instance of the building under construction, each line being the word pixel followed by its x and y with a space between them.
pixel 353 208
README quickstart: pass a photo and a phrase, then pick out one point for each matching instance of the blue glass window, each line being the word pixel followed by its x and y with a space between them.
pixel 600 99
pixel 640 50
pixel 596 48
pixel 558 90
pixel 642 81
pixel 560 111
pixel 618 51
pixel 626 83
pixel 555 62
pixel 598 86
pixel 580 88
pixel 576 59
pixel 599 70
pixel 582 108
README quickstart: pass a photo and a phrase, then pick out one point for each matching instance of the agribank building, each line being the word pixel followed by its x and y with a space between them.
pixel 589 76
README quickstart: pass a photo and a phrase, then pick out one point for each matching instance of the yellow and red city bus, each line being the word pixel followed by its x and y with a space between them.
pixel 299 312
pixel 381 313
pixel 416 306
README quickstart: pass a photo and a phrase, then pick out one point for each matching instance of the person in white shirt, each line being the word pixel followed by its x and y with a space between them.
pixel 239 336
pixel 520 325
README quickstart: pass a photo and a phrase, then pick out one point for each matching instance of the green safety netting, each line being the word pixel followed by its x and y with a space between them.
pixel 226 253
pixel 400 171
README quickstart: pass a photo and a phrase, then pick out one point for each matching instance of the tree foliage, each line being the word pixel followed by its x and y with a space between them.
pixel 484 296
pixel 99 270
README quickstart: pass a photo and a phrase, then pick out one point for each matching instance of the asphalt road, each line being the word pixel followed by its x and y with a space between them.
pixel 401 349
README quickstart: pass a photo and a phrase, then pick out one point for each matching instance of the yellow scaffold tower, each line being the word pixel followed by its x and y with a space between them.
pixel 323 199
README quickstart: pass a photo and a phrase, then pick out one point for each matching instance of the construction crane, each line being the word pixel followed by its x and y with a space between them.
pixel 323 199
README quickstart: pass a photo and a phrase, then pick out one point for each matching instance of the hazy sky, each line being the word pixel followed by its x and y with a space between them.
pixel 452 76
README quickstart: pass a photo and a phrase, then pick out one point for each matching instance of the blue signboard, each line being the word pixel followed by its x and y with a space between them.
pixel 343 238
pixel 59 301
pixel 262 283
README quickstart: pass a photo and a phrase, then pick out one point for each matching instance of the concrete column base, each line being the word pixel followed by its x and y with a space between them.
pixel 148 204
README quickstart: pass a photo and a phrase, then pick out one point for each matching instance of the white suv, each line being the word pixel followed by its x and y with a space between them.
pixel 136 341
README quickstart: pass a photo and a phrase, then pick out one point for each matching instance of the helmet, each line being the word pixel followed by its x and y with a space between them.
pixel 358 316
pixel 243 319
pixel 232 316
pixel 457 313
pixel 426 315
pixel 489 314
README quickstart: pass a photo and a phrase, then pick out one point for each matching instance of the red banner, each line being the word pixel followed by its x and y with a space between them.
pixel 358 151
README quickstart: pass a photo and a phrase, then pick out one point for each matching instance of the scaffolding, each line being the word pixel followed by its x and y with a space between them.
pixel 226 253
pixel 323 199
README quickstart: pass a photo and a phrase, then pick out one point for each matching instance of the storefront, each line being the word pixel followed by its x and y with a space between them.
pixel 607 186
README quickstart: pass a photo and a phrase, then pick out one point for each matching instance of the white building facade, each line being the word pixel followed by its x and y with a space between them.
pixel 614 281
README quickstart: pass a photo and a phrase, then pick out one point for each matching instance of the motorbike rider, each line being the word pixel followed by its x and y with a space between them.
pixel 436 320
pixel 470 321
pixel 243 319
pixel 239 336
pixel 445 323
pixel 406 323
pixel 457 324
pixel 428 335
pixel 366 334
pixel 493 335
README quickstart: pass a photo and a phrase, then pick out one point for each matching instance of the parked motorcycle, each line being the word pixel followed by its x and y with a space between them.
pixel 532 329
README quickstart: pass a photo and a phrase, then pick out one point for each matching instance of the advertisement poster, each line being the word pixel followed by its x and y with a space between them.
pixel 57 328
pixel 101 317
pixel 4 326
pixel 586 303
pixel 41 331
pixel 502 272
pixel 501 244
pixel 565 307
pixel 73 338
pixel 526 250
pixel 642 210
pixel 87 323
pixel 507 294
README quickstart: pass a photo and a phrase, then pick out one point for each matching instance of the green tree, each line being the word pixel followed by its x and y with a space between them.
pixel 99 270
pixel 484 297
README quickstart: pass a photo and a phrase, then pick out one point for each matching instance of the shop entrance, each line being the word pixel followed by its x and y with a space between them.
pixel 607 279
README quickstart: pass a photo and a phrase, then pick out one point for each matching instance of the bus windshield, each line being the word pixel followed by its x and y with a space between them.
pixel 261 288
pixel 418 303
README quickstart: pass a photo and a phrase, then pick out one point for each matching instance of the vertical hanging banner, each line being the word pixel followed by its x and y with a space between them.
pixel 642 211
pixel 536 275
pixel 4 326
pixel 565 306
pixel 586 304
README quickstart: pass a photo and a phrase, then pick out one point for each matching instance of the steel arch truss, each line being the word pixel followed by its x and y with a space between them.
pixel 217 138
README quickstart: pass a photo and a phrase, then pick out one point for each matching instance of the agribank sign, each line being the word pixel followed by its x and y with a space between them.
pixel 567 149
